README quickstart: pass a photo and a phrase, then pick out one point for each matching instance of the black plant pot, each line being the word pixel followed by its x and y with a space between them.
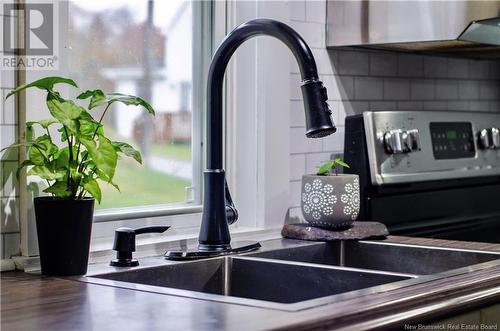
pixel 64 228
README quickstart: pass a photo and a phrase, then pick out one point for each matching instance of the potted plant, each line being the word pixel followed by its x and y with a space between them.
pixel 72 172
pixel 330 200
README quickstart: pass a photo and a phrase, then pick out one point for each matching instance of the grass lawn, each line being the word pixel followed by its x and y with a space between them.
pixel 141 186
pixel 177 151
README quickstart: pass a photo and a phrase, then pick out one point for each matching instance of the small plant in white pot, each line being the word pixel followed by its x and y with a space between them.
pixel 329 199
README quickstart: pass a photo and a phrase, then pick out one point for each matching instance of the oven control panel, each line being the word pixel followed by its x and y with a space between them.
pixel 411 146
pixel 452 140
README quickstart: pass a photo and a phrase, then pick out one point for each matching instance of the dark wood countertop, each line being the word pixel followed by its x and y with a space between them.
pixel 33 302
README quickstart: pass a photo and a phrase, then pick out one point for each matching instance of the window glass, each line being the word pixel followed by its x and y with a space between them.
pixel 142 48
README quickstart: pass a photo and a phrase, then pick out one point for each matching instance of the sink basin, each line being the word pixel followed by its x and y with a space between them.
pixel 400 258
pixel 250 278
pixel 292 275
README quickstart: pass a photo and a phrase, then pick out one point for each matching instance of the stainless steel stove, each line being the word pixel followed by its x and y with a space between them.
pixel 428 173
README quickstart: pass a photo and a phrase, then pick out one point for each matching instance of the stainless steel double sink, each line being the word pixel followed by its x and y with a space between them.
pixel 292 275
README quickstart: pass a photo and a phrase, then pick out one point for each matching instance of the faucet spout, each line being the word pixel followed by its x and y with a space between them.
pixel 214 232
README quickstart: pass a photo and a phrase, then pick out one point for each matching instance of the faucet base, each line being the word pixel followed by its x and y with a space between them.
pixel 206 252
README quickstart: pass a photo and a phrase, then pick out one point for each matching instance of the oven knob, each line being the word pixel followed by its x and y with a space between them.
pixel 392 141
pixel 495 137
pixel 414 140
pixel 489 138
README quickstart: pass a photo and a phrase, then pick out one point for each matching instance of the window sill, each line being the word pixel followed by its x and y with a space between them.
pixel 152 245
pixel 102 252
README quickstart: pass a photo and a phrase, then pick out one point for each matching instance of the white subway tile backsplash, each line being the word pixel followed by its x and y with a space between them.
pixel 297 10
pixel 345 87
pixel 494 106
pixel 410 65
pixel 341 113
pixel 314 160
pixel 316 11
pixel 468 89
pixel 435 105
pixel 361 80
pixel 313 33
pixel 383 64
pixel 479 105
pixel 295 91
pixel 479 69
pixel 353 107
pixel 323 61
pixel 489 90
pixel 446 89
pixel 494 69
pixel 332 85
pixel 383 105
pixel 457 105
pixel 297 166
pixel 422 89
pixel 295 193
pixel 458 68
pixel 368 88
pixel 410 105
pixel 353 63
pixel 334 142
pixel 297 117
pixel 299 143
pixel 396 89
pixel 435 67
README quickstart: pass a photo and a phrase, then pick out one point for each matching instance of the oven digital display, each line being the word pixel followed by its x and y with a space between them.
pixel 452 140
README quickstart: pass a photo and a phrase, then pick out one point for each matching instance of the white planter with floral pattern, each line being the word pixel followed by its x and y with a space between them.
pixel 330 201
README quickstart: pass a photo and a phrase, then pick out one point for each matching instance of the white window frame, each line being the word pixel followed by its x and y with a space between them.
pixel 256 149
pixel 184 218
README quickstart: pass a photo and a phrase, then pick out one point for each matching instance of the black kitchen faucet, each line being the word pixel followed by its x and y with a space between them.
pixel 218 209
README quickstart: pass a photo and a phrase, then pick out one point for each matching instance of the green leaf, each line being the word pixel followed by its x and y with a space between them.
pixel 43 123
pixel 65 111
pixel 62 132
pixel 46 145
pixel 59 189
pixel 89 127
pixel 326 167
pixel 47 172
pixel 104 156
pixel 62 157
pixel 102 176
pixel 129 100
pixel 42 148
pixel 107 157
pixel 36 156
pixel 46 83
pixel 91 186
pixel 97 97
pixel 342 163
pixel 127 150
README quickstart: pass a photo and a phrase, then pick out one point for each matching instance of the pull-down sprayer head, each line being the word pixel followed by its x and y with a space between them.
pixel 318 114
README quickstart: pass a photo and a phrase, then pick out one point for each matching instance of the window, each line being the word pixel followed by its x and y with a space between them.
pixel 152 49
